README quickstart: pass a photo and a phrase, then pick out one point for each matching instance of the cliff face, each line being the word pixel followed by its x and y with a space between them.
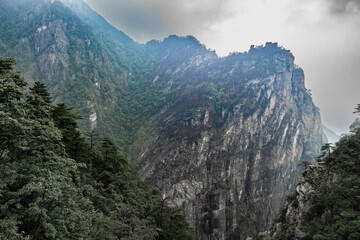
pixel 325 204
pixel 227 145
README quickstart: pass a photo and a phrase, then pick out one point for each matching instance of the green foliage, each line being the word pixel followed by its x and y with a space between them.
pixel 173 224
pixel 38 193
pixel 11 235
pixel 39 89
pixel 53 185
pixel 335 195
pixel 64 120
pixel 135 211
pixel 95 64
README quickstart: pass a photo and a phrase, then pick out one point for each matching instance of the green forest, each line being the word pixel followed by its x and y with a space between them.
pixel 56 183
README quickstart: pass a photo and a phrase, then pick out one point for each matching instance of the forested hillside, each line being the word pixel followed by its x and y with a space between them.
pixel 95 68
pixel 325 205
pixel 54 184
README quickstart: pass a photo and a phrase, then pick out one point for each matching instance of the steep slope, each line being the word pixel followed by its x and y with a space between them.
pixel 96 69
pixel 227 145
pixel 325 204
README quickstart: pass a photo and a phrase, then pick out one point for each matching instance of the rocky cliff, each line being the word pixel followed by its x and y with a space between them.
pixel 227 145
pixel 325 204
pixel 220 137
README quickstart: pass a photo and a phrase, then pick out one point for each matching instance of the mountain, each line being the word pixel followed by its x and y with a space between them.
pixel 228 143
pixel 98 73
pixel 330 135
pixel 220 137
pixel 325 204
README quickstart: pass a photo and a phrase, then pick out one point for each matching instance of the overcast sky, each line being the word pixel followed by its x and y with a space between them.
pixel 323 35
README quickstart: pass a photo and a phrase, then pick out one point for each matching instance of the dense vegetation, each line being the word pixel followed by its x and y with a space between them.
pixel 54 184
pixel 96 68
pixel 326 204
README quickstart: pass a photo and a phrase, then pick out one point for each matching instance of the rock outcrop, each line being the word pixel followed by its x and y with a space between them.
pixel 325 204
pixel 228 144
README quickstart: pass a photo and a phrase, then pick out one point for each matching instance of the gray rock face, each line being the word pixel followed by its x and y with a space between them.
pixel 229 156
pixel 298 206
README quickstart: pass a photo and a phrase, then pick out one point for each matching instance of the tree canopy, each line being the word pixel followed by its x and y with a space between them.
pixel 55 185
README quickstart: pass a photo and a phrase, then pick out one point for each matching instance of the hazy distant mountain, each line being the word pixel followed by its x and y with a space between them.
pixel 221 137
pixel 331 136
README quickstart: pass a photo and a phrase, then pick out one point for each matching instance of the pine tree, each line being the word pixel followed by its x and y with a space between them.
pixel 42 193
pixel 39 89
pixel 38 101
pixel 93 137
pixel 65 120
pixel 38 194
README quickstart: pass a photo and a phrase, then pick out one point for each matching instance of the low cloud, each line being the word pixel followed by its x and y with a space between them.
pixel 144 20
pixel 188 17
pixel 345 6
pixel 130 17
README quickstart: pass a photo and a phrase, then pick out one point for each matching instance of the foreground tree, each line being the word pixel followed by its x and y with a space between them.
pixel 38 191
pixel 43 193
pixel 65 120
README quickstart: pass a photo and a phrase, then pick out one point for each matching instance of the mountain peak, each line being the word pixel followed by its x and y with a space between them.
pixel 270 48
pixel 183 41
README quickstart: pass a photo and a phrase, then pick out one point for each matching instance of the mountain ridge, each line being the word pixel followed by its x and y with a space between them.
pixel 223 139
pixel 216 135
